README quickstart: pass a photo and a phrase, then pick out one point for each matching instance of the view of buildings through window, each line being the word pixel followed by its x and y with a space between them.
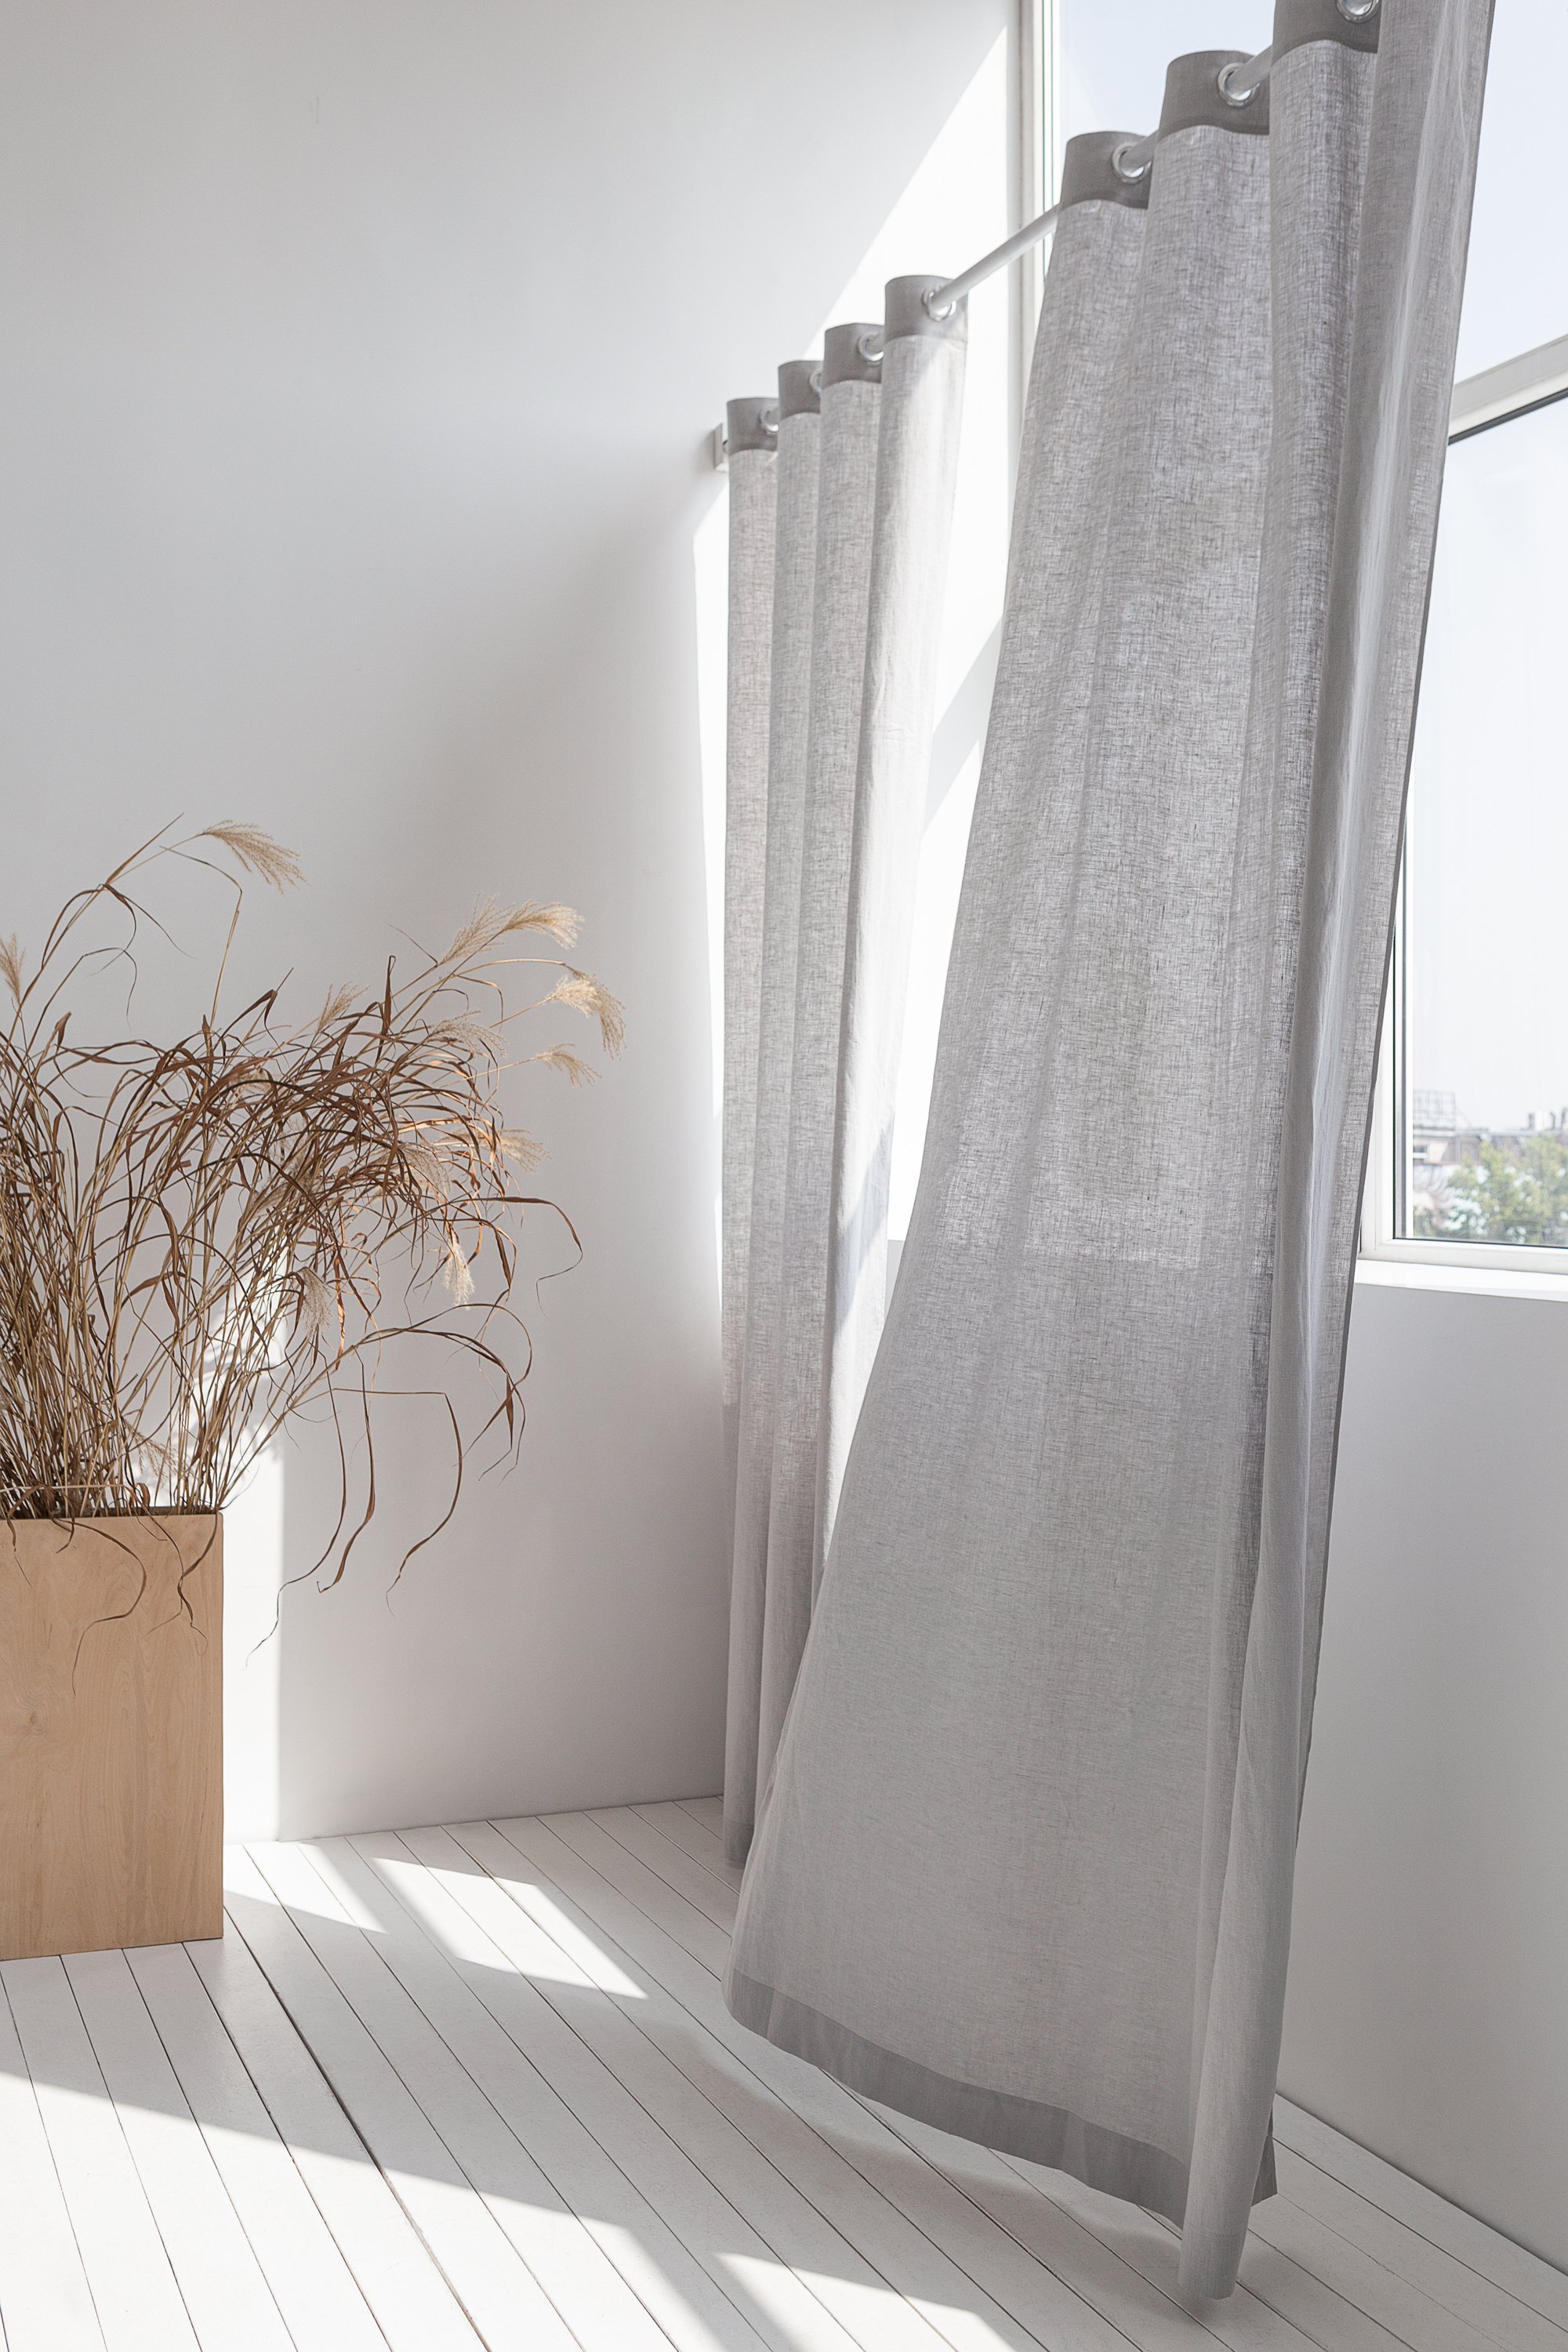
pixel 1484 1012
pixel 1479 1065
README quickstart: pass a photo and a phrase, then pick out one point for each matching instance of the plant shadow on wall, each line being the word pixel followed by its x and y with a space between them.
pixel 202 1240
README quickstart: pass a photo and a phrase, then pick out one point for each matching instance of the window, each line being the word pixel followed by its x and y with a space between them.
pixel 1470 1148
pixel 1470 1144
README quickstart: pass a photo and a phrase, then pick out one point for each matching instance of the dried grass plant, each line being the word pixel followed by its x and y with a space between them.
pixel 200 1240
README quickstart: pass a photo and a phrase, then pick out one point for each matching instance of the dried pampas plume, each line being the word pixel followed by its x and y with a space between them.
pixel 256 853
pixel 587 995
pixel 315 1301
pixel 491 923
pixel 572 1065
pixel 459 1279
pixel 522 1150
pixel 338 1003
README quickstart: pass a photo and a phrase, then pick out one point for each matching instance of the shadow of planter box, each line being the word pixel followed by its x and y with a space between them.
pixel 111 1732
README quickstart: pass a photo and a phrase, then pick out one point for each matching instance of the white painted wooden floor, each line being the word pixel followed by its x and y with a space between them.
pixel 476 2086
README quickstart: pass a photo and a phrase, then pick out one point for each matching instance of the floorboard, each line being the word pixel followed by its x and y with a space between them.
pixel 794 2235
pixel 139 2303
pixel 46 2304
pixel 447 2088
pixel 306 2271
pixel 629 2283
pixel 676 1823
pixel 391 2264
pixel 407 2094
pixel 231 2306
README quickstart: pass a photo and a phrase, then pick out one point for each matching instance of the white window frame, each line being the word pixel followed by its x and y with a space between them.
pixel 1530 381
pixel 1039 174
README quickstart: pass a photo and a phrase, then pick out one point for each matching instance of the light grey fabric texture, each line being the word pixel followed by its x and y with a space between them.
pixel 1025 1866
pixel 845 508
pixel 917 473
pixel 750 609
pixel 845 811
pixel 795 577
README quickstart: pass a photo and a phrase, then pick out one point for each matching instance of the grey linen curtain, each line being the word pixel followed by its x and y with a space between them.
pixel 750 437
pixel 1025 1869
pixel 866 475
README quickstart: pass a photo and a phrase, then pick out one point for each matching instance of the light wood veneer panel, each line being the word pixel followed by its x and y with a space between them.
pixel 110 1733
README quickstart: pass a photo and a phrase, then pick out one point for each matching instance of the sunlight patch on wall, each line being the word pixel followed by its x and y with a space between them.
pixel 252 1651
pixel 955 206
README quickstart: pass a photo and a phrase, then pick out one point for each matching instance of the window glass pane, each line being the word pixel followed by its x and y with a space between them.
pixel 1114 53
pixel 1486 947
pixel 1514 284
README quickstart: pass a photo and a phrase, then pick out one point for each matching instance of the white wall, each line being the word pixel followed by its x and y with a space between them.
pixel 1427 2014
pixel 357 362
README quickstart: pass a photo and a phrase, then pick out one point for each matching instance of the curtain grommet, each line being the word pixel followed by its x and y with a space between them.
pixel 1224 81
pixel 1356 12
pixel 1130 172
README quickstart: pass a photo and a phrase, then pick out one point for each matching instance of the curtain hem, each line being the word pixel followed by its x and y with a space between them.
pixel 1054 2136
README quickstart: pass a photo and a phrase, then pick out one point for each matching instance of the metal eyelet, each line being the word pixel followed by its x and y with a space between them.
pixel 1228 90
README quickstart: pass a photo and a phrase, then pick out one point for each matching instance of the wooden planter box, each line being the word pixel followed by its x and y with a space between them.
pixel 110 1733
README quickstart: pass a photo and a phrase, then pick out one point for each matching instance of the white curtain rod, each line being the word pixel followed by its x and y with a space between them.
pixel 1239 85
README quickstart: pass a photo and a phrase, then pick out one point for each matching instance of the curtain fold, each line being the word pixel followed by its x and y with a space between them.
pixel 789 716
pixel 1025 1868
pixel 917 473
pixel 750 434
pixel 857 608
pixel 851 410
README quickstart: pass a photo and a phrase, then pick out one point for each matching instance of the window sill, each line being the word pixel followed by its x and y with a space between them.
pixel 1479 1281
